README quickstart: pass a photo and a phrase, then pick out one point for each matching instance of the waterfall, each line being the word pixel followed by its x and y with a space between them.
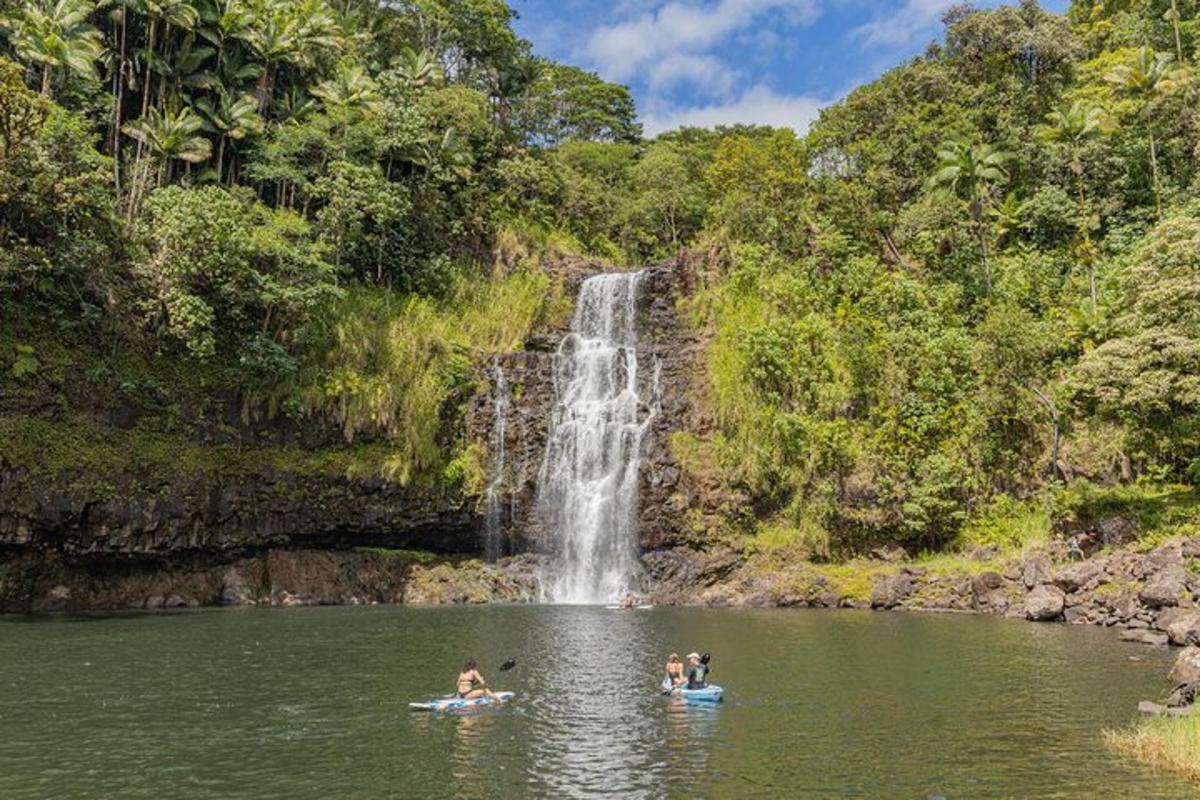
pixel 588 481
pixel 493 499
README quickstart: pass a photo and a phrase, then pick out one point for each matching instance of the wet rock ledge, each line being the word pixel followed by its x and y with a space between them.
pixel 1154 597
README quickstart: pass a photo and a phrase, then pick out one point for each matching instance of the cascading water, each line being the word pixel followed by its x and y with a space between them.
pixel 588 481
pixel 493 499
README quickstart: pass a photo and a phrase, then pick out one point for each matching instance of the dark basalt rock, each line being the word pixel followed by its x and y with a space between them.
pixel 216 513
pixel 892 591
pixel 1166 587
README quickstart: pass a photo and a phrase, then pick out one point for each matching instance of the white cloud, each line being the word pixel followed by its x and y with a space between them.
pixel 660 41
pixel 759 105
pixel 916 19
pixel 701 71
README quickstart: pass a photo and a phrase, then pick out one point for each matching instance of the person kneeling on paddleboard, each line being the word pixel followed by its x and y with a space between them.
pixel 697 674
pixel 471 684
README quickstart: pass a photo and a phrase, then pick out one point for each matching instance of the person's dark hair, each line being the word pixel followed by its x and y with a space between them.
pixel 470 665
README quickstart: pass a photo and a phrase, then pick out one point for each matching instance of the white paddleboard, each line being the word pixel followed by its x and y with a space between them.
pixel 458 704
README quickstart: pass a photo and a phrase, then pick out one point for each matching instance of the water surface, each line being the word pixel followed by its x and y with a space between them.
pixel 311 703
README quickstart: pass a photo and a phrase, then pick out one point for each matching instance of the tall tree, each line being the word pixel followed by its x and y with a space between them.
pixel 1074 127
pixel 167 137
pixel 974 171
pixel 1149 77
pixel 56 34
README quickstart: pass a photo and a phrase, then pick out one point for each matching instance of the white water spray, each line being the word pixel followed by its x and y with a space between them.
pixel 588 481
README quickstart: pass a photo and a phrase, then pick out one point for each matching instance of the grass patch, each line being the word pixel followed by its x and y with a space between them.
pixel 1160 511
pixel 779 534
pixel 853 580
pixel 102 457
pixel 402 366
pixel 415 556
pixel 1008 524
pixel 953 564
pixel 1164 743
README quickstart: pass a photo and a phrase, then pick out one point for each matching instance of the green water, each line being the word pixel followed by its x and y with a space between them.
pixel 311 703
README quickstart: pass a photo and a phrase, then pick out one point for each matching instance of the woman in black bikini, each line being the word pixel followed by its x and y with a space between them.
pixel 471 684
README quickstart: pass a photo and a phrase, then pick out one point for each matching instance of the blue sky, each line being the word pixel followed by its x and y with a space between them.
pixel 711 62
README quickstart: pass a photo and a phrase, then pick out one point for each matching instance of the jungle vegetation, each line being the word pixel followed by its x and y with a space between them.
pixel 972 281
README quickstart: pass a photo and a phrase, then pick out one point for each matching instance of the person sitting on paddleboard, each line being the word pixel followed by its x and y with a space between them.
pixel 630 602
pixel 674 671
pixel 471 684
pixel 697 674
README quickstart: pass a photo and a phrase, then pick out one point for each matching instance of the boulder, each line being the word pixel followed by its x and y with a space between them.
pixel 1117 531
pixel 1166 587
pixel 1185 630
pixel 1169 555
pixel 180 601
pixel 1167 616
pixel 1078 575
pixel 983 586
pixel 1076 615
pixel 1035 571
pixel 1125 606
pixel 1155 638
pixel 1184 695
pixel 1151 709
pixel 891 591
pixel 1187 667
pixel 1044 603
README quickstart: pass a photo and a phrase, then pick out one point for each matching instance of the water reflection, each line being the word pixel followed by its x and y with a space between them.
pixel 473 734
pixel 597 732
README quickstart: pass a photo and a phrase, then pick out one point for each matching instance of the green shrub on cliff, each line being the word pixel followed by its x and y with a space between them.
pixel 222 270
pixel 399 366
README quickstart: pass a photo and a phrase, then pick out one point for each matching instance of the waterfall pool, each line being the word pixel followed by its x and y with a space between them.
pixel 312 703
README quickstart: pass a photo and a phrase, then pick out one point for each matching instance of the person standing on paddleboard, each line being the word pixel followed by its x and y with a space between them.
pixel 471 684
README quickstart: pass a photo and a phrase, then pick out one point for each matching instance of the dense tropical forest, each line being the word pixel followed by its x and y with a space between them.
pixel 973 285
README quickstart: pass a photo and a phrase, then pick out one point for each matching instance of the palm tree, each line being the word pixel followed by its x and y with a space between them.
pixel 974 171
pixel 57 35
pixel 418 68
pixel 293 104
pixel 178 13
pixel 168 137
pixel 350 87
pixel 1149 77
pixel 230 117
pixel 183 69
pixel 1173 16
pixel 1074 127
pixel 286 31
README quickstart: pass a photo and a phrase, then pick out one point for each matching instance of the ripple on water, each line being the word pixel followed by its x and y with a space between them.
pixel 311 703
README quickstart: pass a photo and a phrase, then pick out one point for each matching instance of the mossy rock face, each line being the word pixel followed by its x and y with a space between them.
pixel 75 486
pixel 511 580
